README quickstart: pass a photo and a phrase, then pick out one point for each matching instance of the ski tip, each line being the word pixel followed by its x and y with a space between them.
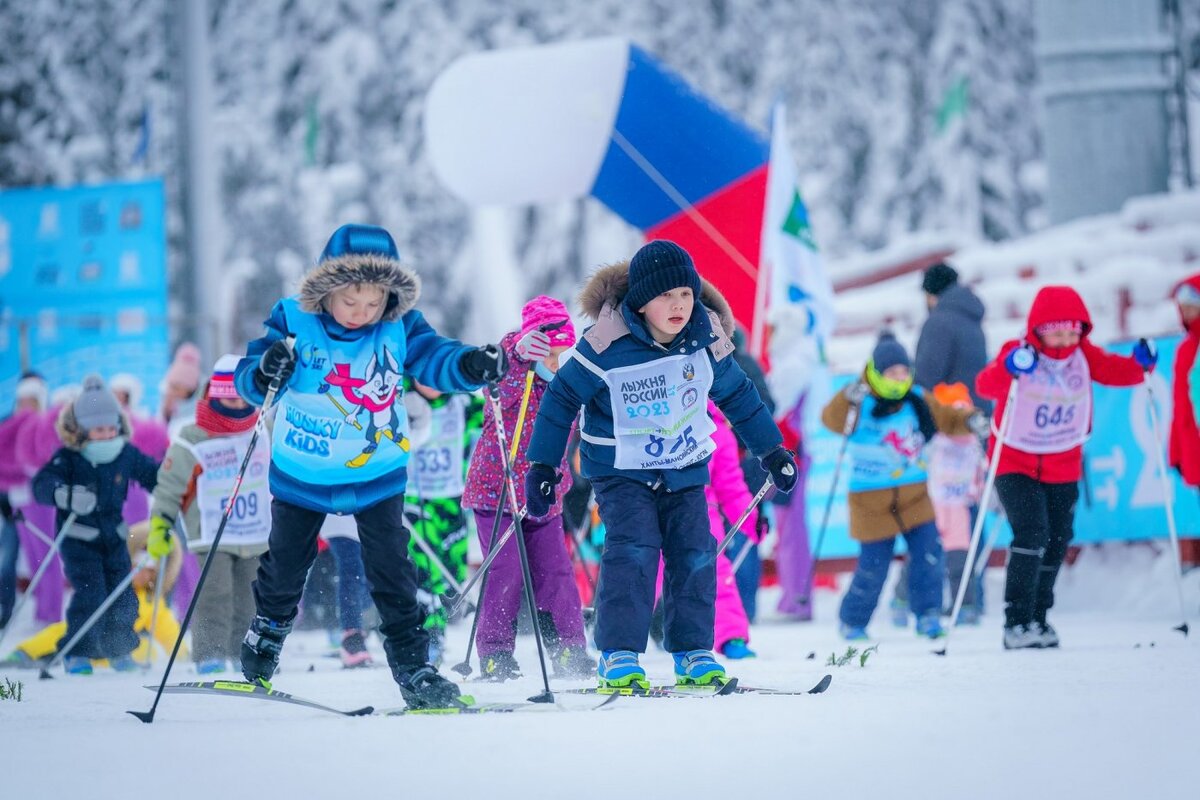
pixel 941 652
pixel 822 685
pixel 365 711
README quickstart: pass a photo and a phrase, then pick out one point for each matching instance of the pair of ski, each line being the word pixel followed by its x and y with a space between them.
pixel 726 688
pixel 468 706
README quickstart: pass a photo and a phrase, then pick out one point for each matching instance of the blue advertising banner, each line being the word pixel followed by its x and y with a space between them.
pixel 83 284
pixel 1122 492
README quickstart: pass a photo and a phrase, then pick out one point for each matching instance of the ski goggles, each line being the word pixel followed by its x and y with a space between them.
pixel 1187 295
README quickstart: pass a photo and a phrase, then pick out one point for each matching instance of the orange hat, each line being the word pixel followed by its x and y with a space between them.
pixel 953 394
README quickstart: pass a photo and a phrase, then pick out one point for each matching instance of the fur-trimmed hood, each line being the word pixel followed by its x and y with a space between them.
pixel 401 284
pixel 601 300
pixel 609 285
pixel 73 437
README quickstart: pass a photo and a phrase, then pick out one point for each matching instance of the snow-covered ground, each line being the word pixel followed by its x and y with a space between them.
pixel 1112 714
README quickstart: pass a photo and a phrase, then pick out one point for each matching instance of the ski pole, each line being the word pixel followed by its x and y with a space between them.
pixel 988 486
pixel 95 617
pixel 464 667
pixel 526 577
pixel 481 573
pixel 847 429
pixel 37 576
pixel 158 593
pixel 434 559
pixel 733 529
pixel 259 426
pixel 1168 502
pixel 37 532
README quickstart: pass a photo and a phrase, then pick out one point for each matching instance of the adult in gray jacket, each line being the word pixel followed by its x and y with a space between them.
pixel 952 347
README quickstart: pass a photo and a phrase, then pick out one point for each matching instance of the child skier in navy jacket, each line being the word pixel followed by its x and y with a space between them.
pixel 642 376
pixel 89 477
pixel 340 446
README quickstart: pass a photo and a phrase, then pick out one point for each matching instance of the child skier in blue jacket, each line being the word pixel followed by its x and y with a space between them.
pixel 642 376
pixel 339 444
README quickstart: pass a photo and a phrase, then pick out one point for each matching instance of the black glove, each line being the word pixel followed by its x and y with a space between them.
pixel 485 364
pixel 278 360
pixel 781 463
pixel 539 489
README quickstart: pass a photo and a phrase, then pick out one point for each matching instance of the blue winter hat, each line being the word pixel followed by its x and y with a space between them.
pixel 360 239
pixel 888 353
pixel 659 266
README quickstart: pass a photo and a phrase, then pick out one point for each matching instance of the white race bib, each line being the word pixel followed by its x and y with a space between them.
pixel 660 412
pixel 437 466
pixel 1054 406
pixel 220 458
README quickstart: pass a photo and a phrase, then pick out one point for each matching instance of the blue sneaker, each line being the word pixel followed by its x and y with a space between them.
pixel 123 663
pixel 210 666
pixel 853 633
pixel 619 669
pixel 930 626
pixel 697 668
pixel 77 665
pixel 737 649
pixel 899 612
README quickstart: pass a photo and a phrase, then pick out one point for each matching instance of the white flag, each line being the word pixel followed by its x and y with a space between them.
pixel 799 295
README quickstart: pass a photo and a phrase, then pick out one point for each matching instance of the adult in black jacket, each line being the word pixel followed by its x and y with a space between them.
pixel 952 348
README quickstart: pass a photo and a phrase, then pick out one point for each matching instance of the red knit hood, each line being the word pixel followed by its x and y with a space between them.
pixel 1194 282
pixel 1056 304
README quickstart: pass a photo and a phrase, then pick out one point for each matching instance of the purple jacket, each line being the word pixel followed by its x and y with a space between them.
pixel 11 474
pixel 486 473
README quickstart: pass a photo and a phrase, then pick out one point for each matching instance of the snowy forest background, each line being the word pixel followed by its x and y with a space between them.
pixel 318 109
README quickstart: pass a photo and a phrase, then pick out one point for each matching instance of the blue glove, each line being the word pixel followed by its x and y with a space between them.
pixel 1145 355
pixel 539 489
pixel 1021 361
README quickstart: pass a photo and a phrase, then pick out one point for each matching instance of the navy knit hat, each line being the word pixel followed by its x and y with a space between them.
pixel 658 267
pixel 360 239
pixel 888 353
pixel 939 278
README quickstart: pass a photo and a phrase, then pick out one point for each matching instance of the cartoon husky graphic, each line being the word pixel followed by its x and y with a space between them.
pixel 374 393
pixel 910 448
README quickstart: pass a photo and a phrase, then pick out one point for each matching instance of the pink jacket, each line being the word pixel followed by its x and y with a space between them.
pixel 726 493
pixel 11 474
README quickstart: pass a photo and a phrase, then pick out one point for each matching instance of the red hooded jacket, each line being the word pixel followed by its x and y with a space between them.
pixel 1052 304
pixel 1184 447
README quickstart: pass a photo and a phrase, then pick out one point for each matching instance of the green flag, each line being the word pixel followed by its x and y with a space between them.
pixel 954 103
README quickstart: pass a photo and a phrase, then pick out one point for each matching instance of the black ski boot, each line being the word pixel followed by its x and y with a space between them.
pixel 422 687
pixel 499 667
pixel 261 649
pixel 573 663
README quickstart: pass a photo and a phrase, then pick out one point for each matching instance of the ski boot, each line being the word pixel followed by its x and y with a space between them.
pixel 853 633
pixel 1046 633
pixel 930 626
pixel 697 668
pixel 573 662
pixel 261 649
pixel 210 666
pixel 499 667
pixel 619 669
pixel 353 651
pixel 737 649
pixel 1022 637
pixel 422 687
pixel 77 665
pixel 123 663
pixel 899 610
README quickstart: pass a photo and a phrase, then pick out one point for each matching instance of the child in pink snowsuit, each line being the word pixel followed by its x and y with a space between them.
pixel 727 498
pixel 956 472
